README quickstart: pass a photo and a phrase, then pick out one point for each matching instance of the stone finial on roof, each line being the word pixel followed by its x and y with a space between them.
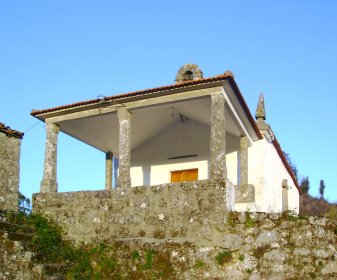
pixel 188 72
pixel 260 109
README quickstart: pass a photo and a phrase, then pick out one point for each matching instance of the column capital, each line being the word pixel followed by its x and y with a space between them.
pixel 123 114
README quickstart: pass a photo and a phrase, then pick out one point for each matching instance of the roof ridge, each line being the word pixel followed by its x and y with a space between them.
pixel 227 74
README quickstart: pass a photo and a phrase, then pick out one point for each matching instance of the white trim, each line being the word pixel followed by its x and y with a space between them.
pixel 236 115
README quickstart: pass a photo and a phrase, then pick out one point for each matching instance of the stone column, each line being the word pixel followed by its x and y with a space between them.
pixel 285 206
pixel 108 171
pixel 49 181
pixel 124 179
pixel 244 160
pixel 218 170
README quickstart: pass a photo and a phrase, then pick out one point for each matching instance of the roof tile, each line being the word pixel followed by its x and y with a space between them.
pixel 10 132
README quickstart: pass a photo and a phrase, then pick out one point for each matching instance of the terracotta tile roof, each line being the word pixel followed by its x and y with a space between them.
pixel 10 132
pixel 118 97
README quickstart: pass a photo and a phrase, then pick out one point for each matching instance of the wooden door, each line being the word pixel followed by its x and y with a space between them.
pixel 184 175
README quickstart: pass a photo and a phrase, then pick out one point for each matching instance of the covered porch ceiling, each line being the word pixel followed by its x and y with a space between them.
pixel 102 131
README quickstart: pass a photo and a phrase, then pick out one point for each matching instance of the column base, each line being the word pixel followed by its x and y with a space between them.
pixel 244 193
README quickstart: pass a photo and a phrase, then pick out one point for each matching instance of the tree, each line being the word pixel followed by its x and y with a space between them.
pixel 24 204
pixel 291 164
pixel 321 188
pixel 305 184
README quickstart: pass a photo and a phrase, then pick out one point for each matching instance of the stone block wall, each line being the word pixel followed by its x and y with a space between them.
pixel 182 211
pixel 9 171
pixel 191 234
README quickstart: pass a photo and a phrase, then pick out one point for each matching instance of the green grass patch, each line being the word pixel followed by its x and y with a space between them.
pixel 199 263
pixel 223 257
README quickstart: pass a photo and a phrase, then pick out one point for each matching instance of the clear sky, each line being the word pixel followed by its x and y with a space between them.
pixel 59 52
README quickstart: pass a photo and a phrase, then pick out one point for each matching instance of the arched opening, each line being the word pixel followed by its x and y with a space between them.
pixel 188 75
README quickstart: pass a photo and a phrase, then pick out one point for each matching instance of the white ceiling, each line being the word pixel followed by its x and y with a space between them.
pixel 102 131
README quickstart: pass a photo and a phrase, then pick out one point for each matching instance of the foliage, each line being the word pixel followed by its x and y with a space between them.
pixel 249 221
pixel 305 184
pixel 291 164
pixel 135 255
pixel 149 260
pixel 24 204
pixel 332 214
pixel 249 270
pixel 312 206
pixel 199 263
pixel 321 188
pixel 223 257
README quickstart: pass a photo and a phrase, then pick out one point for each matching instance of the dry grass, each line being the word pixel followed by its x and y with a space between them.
pixel 312 206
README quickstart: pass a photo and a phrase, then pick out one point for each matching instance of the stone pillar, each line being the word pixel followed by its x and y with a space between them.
pixel 244 160
pixel 108 171
pixel 124 179
pixel 285 206
pixel 218 170
pixel 49 181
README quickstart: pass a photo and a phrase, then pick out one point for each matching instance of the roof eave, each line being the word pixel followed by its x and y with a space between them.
pixel 128 97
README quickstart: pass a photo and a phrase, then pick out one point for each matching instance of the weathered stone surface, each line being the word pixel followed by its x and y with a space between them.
pixel 330 268
pixel 218 170
pixel 9 172
pixel 267 237
pixel 188 72
pixel 244 193
pixel 275 256
pixel 260 109
pixel 243 160
pixel 124 178
pixel 301 251
pixel 184 209
pixel 49 181
pixel 237 252
pixel 232 242
pixel 108 171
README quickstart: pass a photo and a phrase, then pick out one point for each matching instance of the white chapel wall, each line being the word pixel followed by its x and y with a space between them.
pixel 151 163
pixel 266 173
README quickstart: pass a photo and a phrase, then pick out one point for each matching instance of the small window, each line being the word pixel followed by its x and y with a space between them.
pixel 184 175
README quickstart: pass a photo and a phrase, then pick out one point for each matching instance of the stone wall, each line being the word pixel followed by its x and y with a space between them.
pixel 15 260
pixel 9 171
pixel 184 231
pixel 228 245
pixel 182 211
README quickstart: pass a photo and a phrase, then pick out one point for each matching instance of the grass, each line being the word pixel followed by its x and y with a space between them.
pixel 223 257
pixel 199 263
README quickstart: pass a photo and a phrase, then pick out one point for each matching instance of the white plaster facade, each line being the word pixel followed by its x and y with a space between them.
pixel 265 168
pixel 169 129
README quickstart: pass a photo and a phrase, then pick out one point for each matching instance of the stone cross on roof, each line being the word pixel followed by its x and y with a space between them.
pixel 260 110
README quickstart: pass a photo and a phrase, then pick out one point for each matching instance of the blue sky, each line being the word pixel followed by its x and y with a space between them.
pixel 58 52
